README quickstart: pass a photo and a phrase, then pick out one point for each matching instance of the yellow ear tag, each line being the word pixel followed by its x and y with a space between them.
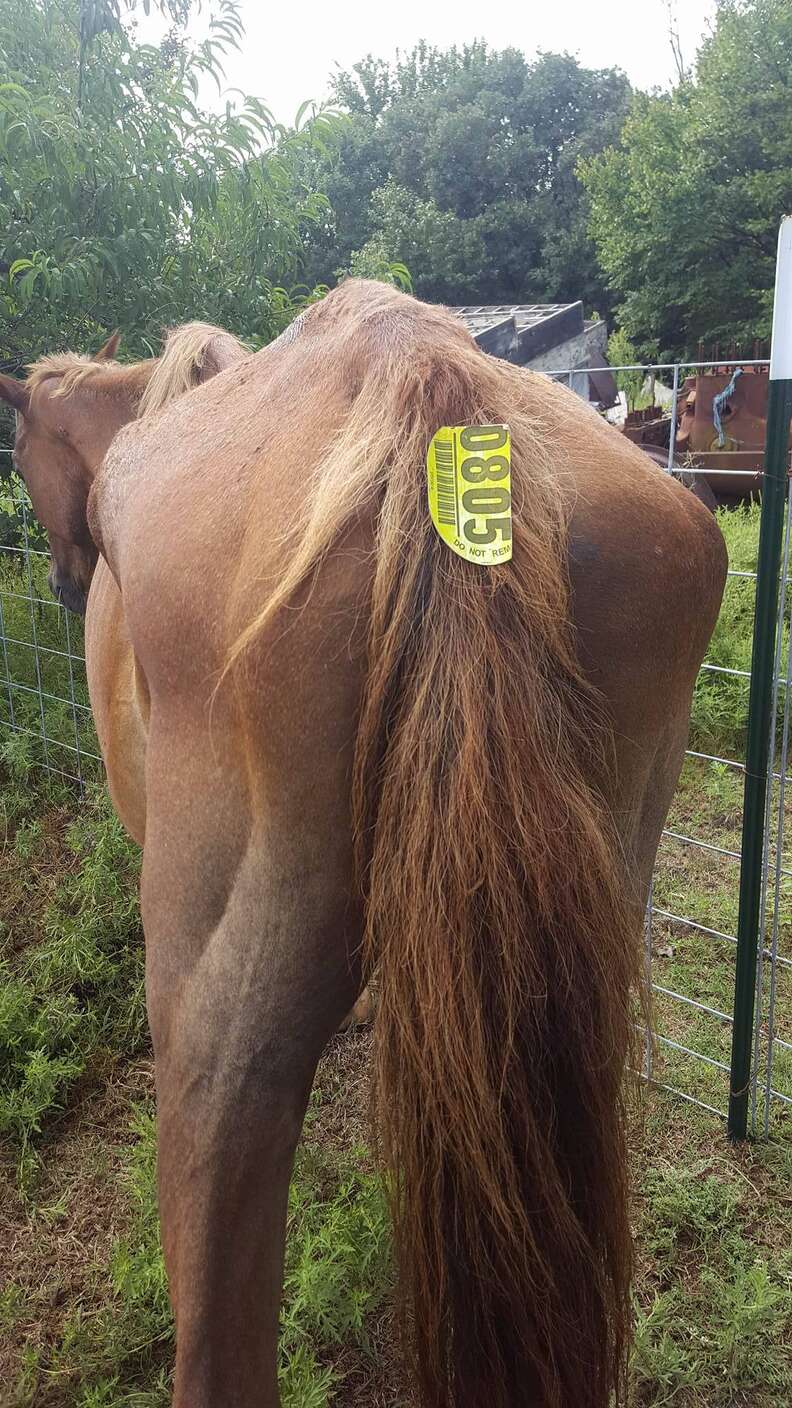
pixel 469 475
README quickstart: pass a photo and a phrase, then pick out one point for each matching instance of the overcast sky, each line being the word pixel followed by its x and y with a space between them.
pixel 291 46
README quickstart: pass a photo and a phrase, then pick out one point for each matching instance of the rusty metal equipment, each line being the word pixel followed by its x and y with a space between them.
pixel 722 426
pixel 720 430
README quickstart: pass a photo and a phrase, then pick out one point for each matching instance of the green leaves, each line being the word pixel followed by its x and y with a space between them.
pixel 121 202
pixel 460 164
pixel 78 990
pixel 685 209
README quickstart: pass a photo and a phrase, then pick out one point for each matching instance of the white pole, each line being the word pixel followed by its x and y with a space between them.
pixel 781 353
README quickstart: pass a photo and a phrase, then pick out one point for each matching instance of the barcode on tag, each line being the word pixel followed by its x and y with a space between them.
pixel 446 483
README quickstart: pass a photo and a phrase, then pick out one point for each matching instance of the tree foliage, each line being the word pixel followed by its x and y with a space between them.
pixel 461 164
pixel 623 355
pixel 484 176
pixel 122 203
pixel 685 208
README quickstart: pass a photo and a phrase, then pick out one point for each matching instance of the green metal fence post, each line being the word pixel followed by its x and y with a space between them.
pixel 760 746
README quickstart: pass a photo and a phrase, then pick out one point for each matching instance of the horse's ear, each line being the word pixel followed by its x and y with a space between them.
pixel 108 352
pixel 14 392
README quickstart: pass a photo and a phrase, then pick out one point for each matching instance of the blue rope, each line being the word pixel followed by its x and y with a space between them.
pixel 718 402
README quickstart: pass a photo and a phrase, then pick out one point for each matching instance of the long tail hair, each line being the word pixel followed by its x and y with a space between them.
pixel 494 893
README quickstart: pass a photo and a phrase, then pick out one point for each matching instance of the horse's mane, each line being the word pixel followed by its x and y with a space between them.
pixel 190 354
pixel 74 369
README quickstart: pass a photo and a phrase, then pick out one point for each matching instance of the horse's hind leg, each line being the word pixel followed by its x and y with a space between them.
pixel 247 978
pixel 362 1013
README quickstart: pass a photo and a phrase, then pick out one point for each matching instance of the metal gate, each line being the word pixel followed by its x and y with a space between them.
pixel 45 716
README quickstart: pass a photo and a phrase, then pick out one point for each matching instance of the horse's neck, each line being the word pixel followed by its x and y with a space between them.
pixel 98 412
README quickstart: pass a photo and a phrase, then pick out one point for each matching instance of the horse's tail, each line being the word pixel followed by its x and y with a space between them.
pixel 494 903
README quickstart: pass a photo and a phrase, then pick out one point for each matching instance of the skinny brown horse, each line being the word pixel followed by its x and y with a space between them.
pixel 342 744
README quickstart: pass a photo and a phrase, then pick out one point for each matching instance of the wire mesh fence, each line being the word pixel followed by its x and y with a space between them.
pixel 692 915
pixel 45 715
pixel 691 919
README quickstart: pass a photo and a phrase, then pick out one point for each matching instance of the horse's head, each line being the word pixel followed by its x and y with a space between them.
pixel 69 410
pixel 57 451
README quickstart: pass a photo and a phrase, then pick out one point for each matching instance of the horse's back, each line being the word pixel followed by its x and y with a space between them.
pixel 194 510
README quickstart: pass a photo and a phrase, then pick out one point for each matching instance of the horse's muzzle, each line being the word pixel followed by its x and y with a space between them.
pixel 68 593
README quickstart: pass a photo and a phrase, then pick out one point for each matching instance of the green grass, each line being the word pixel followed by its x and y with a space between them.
pixel 714 1276
pixel 719 702
pixel 703 886
pixel 71 952
pixel 338 1276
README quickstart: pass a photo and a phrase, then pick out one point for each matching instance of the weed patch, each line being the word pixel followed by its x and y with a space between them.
pixel 720 701
pixel 338 1275
pixel 71 956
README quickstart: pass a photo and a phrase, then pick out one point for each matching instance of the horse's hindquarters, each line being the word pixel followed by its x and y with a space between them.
pixel 647 567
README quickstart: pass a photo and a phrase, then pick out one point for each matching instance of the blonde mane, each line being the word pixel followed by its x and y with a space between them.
pixel 74 369
pixel 191 353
